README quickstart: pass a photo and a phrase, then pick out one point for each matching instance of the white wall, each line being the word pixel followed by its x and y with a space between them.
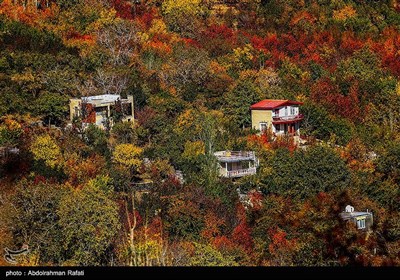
pixel 282 111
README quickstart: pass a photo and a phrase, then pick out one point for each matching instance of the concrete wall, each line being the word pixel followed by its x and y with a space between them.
pixel 258 116
pixel 282 110
pixel 74 102
pixel 130 118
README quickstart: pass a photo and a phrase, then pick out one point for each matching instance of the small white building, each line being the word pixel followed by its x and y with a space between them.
pixel 363 220
pixel 235 164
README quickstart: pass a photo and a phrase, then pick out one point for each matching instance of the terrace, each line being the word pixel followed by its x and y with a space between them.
pixel 236 164
pixel 287 119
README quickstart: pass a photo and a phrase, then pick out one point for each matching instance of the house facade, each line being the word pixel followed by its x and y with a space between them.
pixel 281 116
pixel 236 164
pixel 362 220
pixel 99 109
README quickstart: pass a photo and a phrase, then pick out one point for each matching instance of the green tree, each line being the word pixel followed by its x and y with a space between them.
pixel 316 121
pixel 30 214
pixel 10 132
pixel 238 101
pixel 89 222
pixel 389 162
pixel 124 132
pixel 52 107
pixel 306 173
pixel 184 220
pixel 97 139
pixel 363 67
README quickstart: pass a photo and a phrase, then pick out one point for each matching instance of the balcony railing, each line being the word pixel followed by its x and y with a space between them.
pixel 235 155
pixel 287 118
pixel 239 172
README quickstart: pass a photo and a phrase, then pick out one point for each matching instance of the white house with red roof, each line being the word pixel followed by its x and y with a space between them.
pixel 281 116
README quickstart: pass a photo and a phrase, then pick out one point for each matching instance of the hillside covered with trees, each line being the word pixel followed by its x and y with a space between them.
pixel 75 196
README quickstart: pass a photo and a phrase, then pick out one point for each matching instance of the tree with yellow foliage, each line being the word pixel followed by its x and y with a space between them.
pixel 128 155
pixel 45 149
pixel 181 15
pixel 193 149
pixel 10 132
pixel 344 13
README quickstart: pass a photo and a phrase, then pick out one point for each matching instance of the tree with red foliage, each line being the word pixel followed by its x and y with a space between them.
pixel 126 9
pixel 241 234
pixel 349 43
pixel 328 94
pixel 281 248
pixel 218 40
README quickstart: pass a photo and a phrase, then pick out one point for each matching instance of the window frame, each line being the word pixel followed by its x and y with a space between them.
pixel 361 224
pixel 261 124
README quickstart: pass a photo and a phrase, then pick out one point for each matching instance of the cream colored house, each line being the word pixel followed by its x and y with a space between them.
pixel 281 116
pixel 99 108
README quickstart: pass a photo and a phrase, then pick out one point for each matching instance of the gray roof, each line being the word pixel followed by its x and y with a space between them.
pixel 234 156
pixel 349 215
pixel 105 98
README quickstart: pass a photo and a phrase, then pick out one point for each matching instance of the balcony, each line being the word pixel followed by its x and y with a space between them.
pixel 287 119
pixel 238 173
pixel 234 156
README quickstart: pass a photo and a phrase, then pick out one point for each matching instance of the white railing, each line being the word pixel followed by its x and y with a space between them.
pixel 288 117
pixel 239 172
pixel 235 154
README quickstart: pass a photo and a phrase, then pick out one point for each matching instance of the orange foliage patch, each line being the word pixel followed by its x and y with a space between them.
pixel 158 47
pixel 350 43
pixel 268 141
pixel 302 16
pixel 81 170
pixel 223 243
pixel 279 241
pixel 29 15
pixel 212 226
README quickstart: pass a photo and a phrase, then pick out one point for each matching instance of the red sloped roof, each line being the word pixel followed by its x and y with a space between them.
pixel 268 104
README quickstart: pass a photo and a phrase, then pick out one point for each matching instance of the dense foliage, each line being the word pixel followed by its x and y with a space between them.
pixel 113 197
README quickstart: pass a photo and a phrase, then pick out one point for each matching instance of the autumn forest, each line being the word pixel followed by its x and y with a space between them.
pixel 148 192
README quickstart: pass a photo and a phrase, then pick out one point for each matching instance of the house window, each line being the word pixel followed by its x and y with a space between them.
pixel 100 111
pixel 277 128
pixel 292 111
pixel 76 112
pixel 263 126
pixel 361 224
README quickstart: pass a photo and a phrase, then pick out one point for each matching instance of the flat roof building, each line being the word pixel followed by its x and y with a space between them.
pixel 99 109
pixel 363 220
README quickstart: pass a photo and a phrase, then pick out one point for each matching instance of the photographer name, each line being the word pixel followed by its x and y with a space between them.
pixel 46 273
